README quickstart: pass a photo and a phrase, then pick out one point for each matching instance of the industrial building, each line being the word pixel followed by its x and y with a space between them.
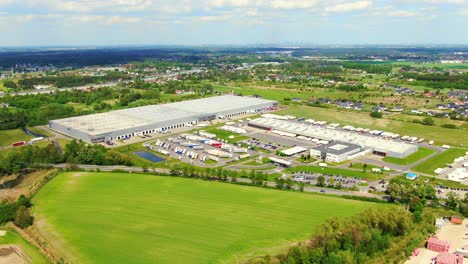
pixel 122 124
pixel 335 151
pixel 379 145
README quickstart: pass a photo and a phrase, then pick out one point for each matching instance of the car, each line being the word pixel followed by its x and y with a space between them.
pixel 322 191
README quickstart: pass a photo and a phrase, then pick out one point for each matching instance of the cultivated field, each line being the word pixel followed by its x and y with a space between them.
pixel 131 218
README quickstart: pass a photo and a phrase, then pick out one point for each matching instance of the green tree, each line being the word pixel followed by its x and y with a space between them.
pixel 376 114
pixel 24 201
pixel 320 181
pixel 23 218
pixel 428 121
pixel 452 201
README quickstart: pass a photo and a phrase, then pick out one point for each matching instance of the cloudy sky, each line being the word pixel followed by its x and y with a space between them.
pixel 200 22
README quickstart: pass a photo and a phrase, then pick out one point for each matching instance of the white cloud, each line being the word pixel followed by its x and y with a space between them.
pixel 293 4
pixel 107 6
pixel 7 2
pixel 402 13
pixel 347 7
pixel 106 20
pixel 231 3
pixel 457 2
pixel 252 12
pixel 212 18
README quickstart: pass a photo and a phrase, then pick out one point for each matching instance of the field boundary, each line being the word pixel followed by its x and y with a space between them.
pixel 33 240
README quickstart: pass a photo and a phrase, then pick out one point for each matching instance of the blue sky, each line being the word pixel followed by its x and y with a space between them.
pixel 221 22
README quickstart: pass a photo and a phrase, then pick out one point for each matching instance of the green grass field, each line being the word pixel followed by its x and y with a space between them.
pixel 33 253
pixel 421 153
pixel 8 137
pixel 361 166
pixel 439 161
pixel 440 135
pixel 337 171
pixel 224 135
pixel 131 218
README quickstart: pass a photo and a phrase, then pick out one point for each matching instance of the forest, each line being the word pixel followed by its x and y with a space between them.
pixel 63 81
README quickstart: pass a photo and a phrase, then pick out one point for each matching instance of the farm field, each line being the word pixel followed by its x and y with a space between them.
pixel 11 238
pixel 132 218
pixel 439 161
pixel 8 137
pixel 439 134
pixel 421 153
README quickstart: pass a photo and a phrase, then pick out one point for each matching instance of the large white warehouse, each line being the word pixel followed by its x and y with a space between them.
pixel 379 146
pixel 129 122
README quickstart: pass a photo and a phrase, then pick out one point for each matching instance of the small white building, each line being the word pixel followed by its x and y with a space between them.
pixel 335 151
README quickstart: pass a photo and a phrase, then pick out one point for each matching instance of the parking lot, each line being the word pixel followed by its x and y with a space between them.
pixel 197 150
pixel 311 178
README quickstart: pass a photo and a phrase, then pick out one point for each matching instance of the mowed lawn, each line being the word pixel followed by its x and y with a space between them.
pixel 131 218
pixel 410 159
pixel 8 137
pixel 439 160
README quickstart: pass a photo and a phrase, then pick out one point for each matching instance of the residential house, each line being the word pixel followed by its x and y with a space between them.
pixel 397 109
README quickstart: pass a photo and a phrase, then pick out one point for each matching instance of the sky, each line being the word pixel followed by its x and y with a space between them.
pixel 232 22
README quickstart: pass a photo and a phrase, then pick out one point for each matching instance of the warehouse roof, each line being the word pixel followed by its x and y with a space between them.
pixel 329 134
pixel 337 148
pixel 97 124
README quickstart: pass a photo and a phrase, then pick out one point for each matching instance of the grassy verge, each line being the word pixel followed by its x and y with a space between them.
pixel 8 137
pixel 13 238
pixel 439 161
pixel 141 162
pixel 361 166
pixel 421 153
pixel 40 131
pixel 432 181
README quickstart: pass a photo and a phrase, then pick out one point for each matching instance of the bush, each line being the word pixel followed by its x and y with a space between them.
pixel 427 121
pixel 7 212
pixel 376 114
pixel 23 218
pixel 24 201
pixel 451 126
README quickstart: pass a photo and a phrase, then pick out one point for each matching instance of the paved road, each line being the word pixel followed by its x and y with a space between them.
pixel 270 184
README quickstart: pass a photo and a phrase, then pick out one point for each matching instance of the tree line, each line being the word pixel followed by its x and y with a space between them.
pixel 373 236
pixel 439 80
pixel 61 81
pixel 76 152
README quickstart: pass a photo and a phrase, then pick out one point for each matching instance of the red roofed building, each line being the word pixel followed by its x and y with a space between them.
pixel 448 258
pixel 456 219
pixel 437 245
